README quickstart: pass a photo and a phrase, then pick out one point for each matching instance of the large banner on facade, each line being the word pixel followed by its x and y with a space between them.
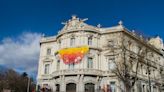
pixel 73 55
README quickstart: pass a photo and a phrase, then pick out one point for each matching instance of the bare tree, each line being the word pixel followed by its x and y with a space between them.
pixel 14 81
pixel 126 66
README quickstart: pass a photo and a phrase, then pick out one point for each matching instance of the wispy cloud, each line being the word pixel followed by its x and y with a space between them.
pixel 21 53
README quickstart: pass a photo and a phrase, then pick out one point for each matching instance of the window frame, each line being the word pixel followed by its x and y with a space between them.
pixel 114 86
pixel 71 66
pixel 90 40
pixel 47 68
pixel 48 51
pixel 72 41
pixel 90 63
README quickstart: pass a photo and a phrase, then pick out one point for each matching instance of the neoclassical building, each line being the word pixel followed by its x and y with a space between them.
pixel 82 58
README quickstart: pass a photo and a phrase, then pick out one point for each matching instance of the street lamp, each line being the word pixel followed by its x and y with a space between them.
pixel 28 84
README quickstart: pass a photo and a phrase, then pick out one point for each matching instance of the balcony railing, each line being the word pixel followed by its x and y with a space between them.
pixel 77 71
pixel 46 76
pixel 94 72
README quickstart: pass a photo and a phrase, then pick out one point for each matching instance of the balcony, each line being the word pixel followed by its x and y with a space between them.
pixel 78 71
pixel 93 72
pixel 46 76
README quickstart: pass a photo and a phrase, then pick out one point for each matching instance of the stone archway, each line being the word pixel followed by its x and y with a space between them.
pixel 89 87
pixel 71 87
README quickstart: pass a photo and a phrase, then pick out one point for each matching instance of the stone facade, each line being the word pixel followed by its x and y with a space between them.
pixel 103 46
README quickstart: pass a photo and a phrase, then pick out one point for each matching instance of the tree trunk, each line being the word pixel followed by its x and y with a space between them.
pixel 127 88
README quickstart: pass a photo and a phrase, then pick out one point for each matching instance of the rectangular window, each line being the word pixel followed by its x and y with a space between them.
pixel 72 42
pixel 71 66
pixel 113 86
pixel 90 63
pixel 111 64
pixel 141 70
pixel 110 43
pixel 90 41
pixel 46 69
pixel 48 51
pixel 58 65
pixel 59 43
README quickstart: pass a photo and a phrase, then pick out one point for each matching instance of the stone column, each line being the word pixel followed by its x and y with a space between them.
pixel 97 87
pixel 139 86
pixel 158 89
pixel 63 85
pixel 80 84
pixel 53 86
pixel 98 80
pixel 136 87
pixel 152 88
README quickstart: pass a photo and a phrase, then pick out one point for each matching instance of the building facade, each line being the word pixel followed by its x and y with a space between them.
pixel 80 58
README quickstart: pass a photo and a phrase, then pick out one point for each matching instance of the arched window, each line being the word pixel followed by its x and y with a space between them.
pixel 89 40
pixel 72 41
pixel 90 62
pixel 46 69
pixel 71 87
pixel 89 87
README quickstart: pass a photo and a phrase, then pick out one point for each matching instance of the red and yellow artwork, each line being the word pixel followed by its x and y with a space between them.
pixel 73 55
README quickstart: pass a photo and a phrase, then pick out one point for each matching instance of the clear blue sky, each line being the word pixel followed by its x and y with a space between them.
pixel 45 16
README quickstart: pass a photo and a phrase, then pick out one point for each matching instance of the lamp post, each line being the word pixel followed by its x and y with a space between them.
pixel 28 84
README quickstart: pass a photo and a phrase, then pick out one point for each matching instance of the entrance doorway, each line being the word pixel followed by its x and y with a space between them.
pixel 71 87
pixel 89 87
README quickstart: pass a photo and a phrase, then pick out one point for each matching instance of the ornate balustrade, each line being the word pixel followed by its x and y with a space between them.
pixel 77 71
pixel 94 72
pixel 46 76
